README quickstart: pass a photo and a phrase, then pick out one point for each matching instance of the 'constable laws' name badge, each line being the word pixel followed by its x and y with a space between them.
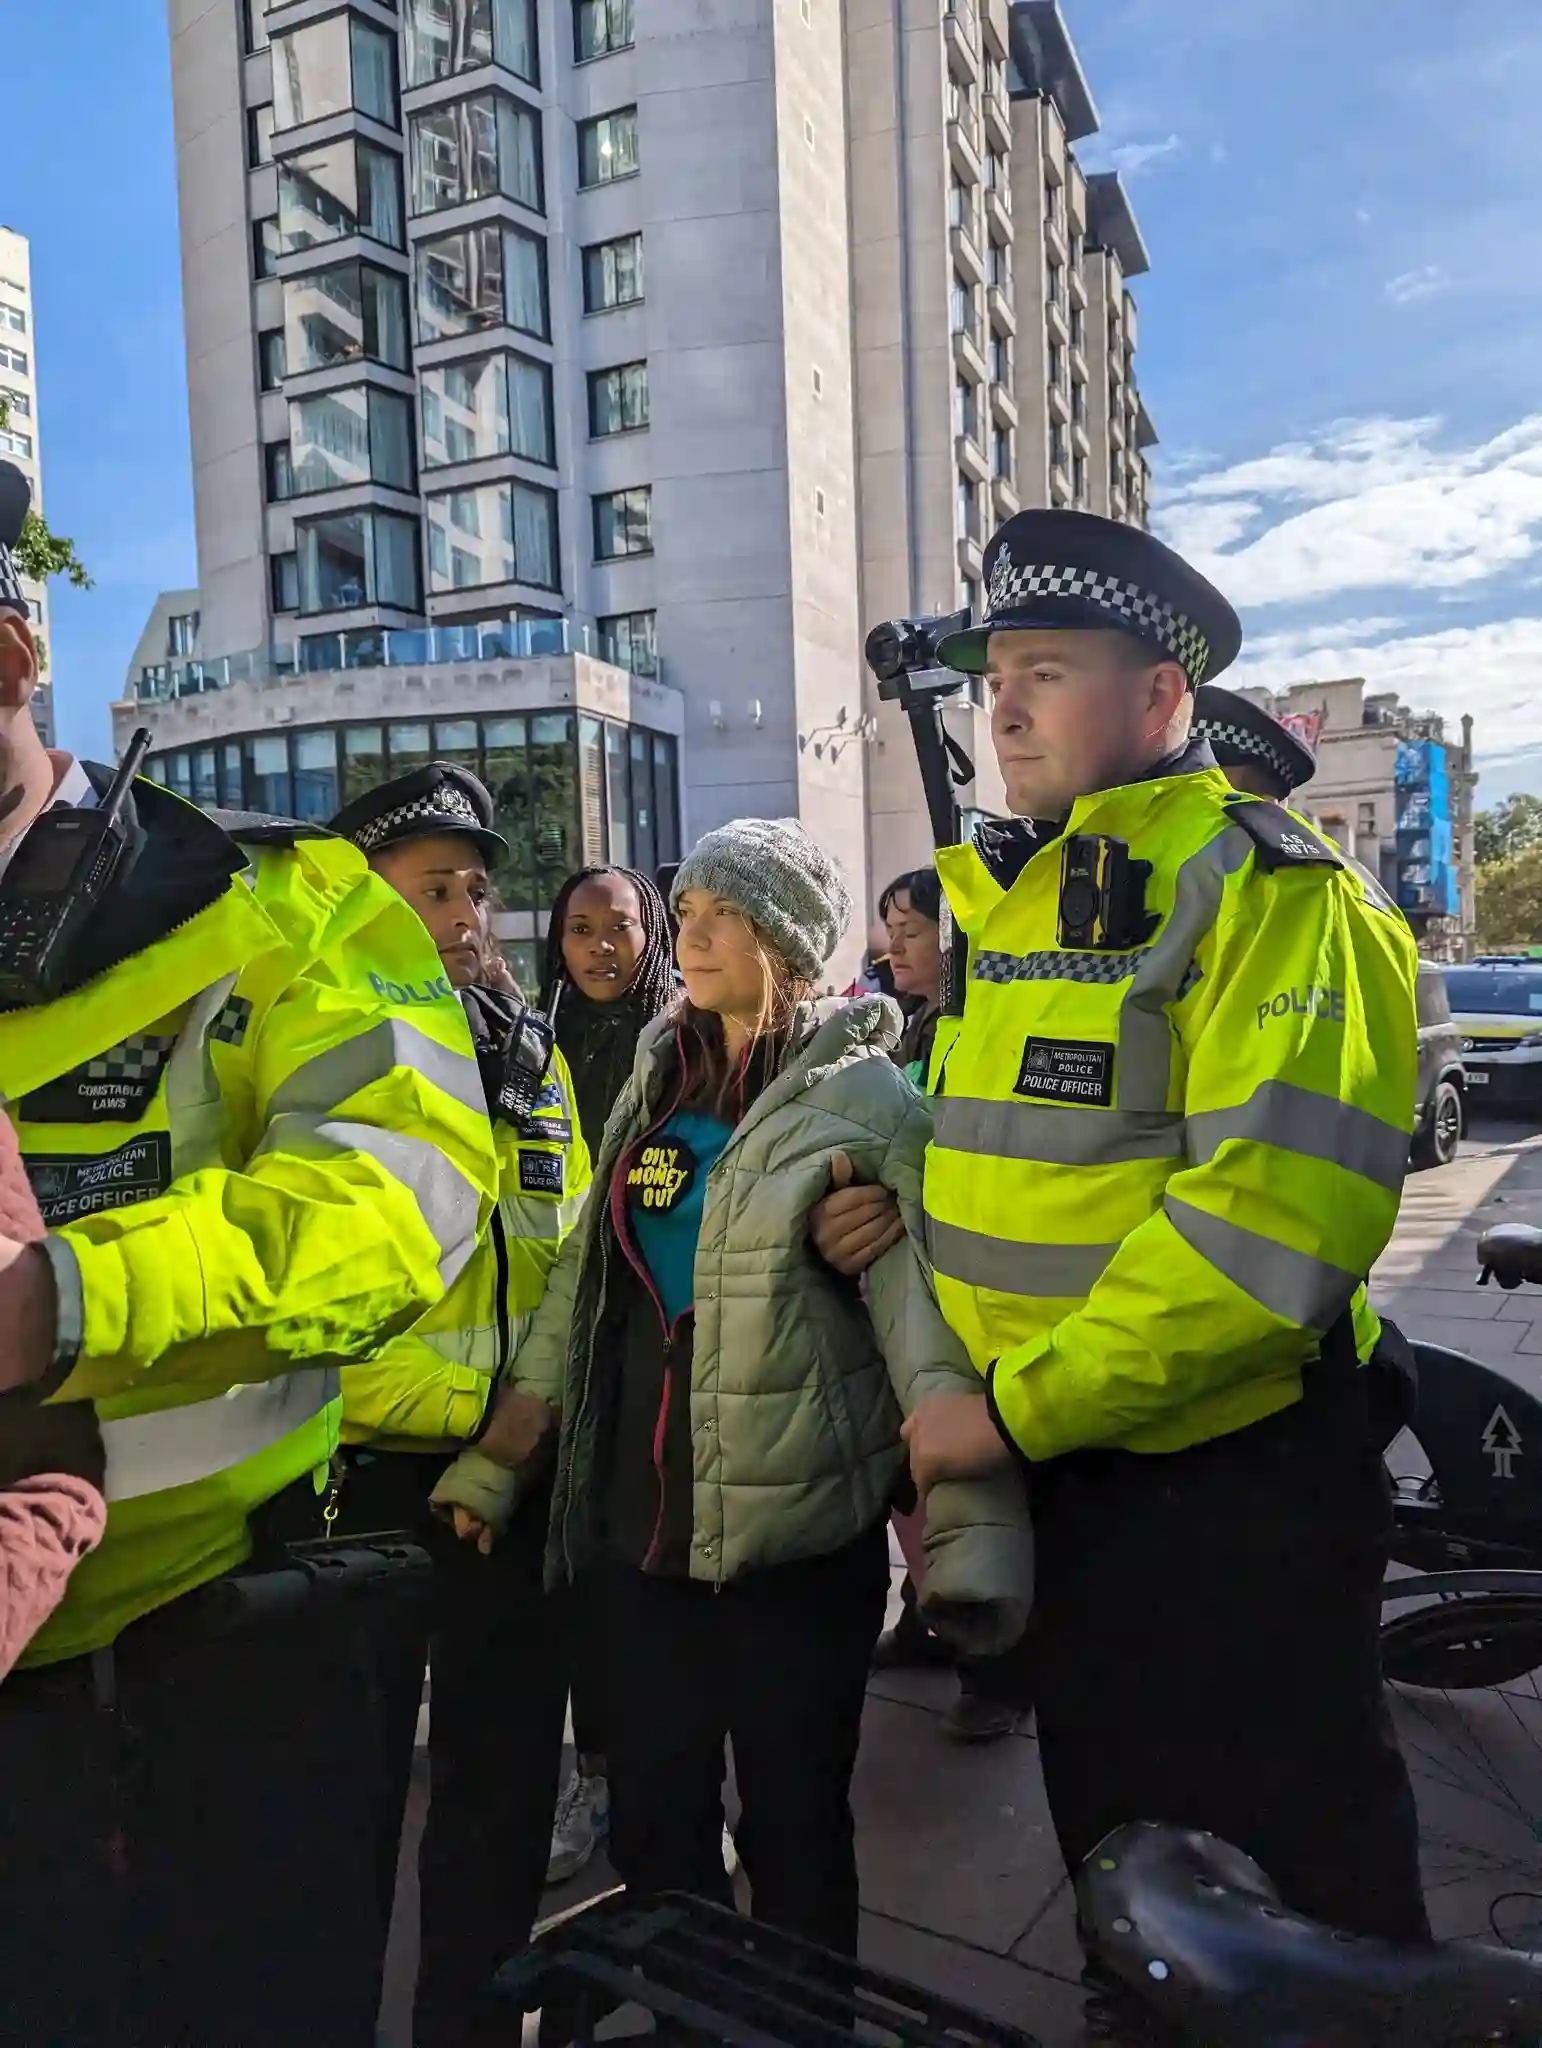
pixel 1067 1070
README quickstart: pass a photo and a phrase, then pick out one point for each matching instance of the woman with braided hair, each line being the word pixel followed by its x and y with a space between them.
pixel 609 971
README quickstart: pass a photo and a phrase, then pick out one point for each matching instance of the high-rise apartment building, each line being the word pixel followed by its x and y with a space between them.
pixel 19 434
pixel 573 381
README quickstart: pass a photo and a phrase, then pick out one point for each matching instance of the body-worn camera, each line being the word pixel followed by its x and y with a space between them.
pixel 65 864
pixel 1103 895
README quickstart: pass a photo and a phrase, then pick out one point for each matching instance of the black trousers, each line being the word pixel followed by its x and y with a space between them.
pixel 190 1867
pixel 775 1662
pixel 498 1649
pixel 1207 1639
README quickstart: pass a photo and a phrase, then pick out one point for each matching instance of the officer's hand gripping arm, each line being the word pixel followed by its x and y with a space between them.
pixel 1301 1052
pixel 979 1549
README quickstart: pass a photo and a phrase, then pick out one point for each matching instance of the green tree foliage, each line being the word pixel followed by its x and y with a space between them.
pixel 1509 895
pixel 40 553
pixel 1509 829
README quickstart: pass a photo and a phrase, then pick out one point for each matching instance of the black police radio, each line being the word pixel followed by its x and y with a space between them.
pixel 61 869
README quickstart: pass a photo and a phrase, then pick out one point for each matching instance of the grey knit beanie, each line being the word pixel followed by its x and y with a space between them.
pixel 781 879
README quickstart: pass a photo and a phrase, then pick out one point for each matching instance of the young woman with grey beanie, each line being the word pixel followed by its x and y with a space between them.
pixel 730 1406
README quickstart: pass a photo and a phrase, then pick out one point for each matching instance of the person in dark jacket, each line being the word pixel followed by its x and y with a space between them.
pixel 608 972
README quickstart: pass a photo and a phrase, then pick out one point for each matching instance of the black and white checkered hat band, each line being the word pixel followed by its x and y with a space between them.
pixel 447 805
pixel 1013 583
pixel 1243 740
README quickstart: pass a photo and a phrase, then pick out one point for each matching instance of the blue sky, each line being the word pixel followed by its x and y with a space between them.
pixel 1339 334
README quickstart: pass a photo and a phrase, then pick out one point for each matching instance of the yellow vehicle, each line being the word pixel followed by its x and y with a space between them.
pixel 1496 1003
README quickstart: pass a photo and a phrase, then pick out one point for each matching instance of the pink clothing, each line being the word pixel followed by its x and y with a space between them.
pixel 47 1524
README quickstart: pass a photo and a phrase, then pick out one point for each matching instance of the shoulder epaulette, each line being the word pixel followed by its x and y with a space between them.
pixel 1282 840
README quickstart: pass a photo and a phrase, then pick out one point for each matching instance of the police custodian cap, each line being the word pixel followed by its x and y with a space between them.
pixel 1050 569
pixel 15 504
pixel 1242 734
pixel 438 798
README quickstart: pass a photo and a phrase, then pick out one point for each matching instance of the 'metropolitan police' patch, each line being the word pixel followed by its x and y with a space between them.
pixel 1067 1070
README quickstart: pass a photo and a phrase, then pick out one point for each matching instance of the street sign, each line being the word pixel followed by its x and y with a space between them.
pixel 1502 1443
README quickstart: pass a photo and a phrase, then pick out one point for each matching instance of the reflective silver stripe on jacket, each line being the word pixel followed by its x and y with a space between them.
pixel 179 1446
pixel 1289 1284
pixel 1165 974
pixel 448 1201
pixel 1060 1271
pixel 1054 1134
pixel 342 1070
pixel 1313 1126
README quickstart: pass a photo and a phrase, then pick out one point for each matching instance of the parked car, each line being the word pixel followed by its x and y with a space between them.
pixel 1440 1114
pixel 1497 1004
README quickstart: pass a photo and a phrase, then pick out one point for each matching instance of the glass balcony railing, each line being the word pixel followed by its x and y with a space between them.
pixel 376 647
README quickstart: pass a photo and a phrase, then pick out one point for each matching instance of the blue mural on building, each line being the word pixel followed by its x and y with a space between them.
pixel 1426 867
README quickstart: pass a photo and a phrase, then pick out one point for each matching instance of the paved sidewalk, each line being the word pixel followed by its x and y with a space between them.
pixel 961 1879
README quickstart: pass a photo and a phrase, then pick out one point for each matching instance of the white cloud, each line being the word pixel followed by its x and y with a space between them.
pixel 1131 158
pixel 1372 504
pixel 1492 670
pixel 1410 286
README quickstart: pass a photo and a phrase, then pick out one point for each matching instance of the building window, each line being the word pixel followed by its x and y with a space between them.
pixel 277 472
pixel 1055 285
pixel 265 247
pixel 613 273
pixel 968 509
pixel 270 358
pixel 1003 460
pixel 1078 405
pixel 966 410
pixel 286 582
pixel 618 399
pixel 15 359
pixel 600 26
pixel 1078 328
pixel 349 313
pixel 16 444
pixel 492 405
pixel 14 318
pixel 479 278
pixel 482 148
pixel 446 37
pixel 341 64
pixel 338 439
pixel 19 403
pixel 623 524
pixel 254 20
pixel 1055 366
pixel 358 558
pixel 259 136
pixel 181 635
pixel 628 639
pixel 965 318
pixel 607 148
pixel 493 533
pixel 1057 445
pixel 1001 359
pixel 347 188
pixel 998 267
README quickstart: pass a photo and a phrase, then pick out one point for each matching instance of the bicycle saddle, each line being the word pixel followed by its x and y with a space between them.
pixel 1196 1931
pixel 1512 1252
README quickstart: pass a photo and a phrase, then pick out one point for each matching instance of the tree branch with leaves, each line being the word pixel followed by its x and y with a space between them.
pixel 40 553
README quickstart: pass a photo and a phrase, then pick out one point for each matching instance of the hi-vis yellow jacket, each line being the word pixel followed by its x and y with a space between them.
pixel 1160 1175
pixel 259 1143
pixel 426 1391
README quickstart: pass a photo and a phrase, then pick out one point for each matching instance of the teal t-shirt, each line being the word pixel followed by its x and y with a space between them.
pixel 666 1189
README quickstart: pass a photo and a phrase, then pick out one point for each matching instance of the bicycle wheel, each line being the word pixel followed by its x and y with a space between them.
pixel 1465 1692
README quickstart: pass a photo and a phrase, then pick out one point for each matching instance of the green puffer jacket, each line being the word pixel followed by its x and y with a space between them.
pixel 797 1387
